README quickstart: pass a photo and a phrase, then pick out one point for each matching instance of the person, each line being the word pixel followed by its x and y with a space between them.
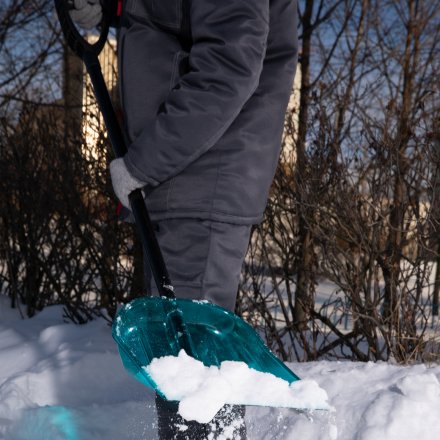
pixel 204 86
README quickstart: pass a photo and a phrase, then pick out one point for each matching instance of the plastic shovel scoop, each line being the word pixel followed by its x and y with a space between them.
pixel 230 364
pixel 144 330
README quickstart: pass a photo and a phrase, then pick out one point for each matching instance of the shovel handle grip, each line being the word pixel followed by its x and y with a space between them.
pixel 75 40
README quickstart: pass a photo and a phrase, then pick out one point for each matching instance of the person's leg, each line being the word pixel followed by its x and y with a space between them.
pixel 228 423
pixel 204 260
pixel 171 426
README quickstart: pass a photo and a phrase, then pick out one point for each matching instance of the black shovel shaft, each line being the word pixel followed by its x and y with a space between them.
pixel 89 52
pixel 102 96
pixel 137 204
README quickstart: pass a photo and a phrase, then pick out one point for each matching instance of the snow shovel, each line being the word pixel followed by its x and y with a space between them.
pixel 152 327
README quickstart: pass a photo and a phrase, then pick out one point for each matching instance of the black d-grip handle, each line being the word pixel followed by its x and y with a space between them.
pixel 89 54
pixel 79 45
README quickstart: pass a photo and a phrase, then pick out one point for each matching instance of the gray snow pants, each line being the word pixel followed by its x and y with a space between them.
pixel 204 258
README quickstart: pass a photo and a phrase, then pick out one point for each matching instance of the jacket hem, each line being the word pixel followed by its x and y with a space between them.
pixel 202 215
pixel 206 215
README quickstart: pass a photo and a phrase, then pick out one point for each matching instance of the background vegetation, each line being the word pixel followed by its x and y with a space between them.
pixel 346 262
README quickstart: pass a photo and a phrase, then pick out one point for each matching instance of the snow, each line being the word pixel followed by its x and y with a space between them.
pixel 203 391
pixel 61 381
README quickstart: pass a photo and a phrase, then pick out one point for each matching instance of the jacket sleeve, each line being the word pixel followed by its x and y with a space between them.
pixel 225 62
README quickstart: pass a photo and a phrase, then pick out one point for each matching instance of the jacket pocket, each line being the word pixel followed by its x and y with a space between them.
pixel 166 13
pixel 180 67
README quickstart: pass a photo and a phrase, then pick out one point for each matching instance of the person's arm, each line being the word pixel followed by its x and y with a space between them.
pixel 226 59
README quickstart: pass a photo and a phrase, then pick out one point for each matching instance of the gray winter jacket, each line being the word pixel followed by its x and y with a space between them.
pixel 205 86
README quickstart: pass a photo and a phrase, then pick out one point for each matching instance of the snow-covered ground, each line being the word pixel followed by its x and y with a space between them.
pixel 59 381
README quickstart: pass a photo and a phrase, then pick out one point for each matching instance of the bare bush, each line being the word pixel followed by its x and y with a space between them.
pixel 61 242
pixel 344 264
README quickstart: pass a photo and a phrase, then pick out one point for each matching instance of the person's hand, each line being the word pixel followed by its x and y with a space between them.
pixel 86 13
pixel 123 182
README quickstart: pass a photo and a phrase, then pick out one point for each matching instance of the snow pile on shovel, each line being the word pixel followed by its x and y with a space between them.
pixel 202 390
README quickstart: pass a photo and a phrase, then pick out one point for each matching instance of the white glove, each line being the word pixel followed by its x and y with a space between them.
pixel 86 13
pixel 123 182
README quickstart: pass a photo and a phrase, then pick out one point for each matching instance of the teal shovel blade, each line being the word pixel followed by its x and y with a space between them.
pixel 143 330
